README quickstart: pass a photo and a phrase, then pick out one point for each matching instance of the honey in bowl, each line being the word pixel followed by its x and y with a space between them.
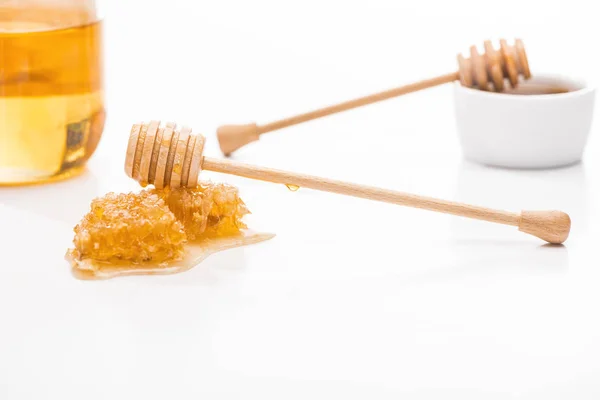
pixel 530 89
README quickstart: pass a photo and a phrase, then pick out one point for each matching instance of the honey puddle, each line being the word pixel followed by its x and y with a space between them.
pixel 195 253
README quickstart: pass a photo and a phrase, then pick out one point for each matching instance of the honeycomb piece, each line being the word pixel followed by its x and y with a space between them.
pixel 133 227
pixel 209 210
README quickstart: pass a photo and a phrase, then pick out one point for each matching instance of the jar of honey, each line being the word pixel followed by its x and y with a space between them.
pixel 51 88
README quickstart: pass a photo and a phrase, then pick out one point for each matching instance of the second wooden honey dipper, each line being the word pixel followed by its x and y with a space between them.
pixel 170 157
pixel 485 72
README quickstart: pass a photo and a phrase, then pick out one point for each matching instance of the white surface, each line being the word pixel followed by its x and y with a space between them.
pixel 533 131
pixel 352 299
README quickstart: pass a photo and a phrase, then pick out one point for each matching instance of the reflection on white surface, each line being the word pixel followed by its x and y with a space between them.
pixel 562 189
pixel 477 243
pixel 65 201
pixel 511 257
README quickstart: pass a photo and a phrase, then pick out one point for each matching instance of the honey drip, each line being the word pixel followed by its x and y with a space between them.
pixel 158 231
pixel 292 188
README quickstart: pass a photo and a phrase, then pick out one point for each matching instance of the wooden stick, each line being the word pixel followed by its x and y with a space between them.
pixel 362 101
pixel 551 226
pixel 351 189
pixel 481 71
pixel 181 169
pixel 232 137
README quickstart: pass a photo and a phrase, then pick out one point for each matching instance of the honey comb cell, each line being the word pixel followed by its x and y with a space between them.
pixel 132 227
pixel 209 210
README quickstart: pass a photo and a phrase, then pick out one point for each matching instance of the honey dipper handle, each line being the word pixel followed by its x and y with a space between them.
pixel 233 137
pixel 362 101
pixel 550 226
pixel 356 190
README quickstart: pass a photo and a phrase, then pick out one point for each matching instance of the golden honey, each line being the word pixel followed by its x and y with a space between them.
pixel 51 99
pixel 194 253
pixel 158 231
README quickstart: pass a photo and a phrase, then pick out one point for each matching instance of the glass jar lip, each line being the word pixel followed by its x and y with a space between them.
pixel 46 29
pixel 47 16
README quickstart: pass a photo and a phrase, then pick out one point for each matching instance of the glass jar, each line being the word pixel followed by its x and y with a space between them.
pixel 51 94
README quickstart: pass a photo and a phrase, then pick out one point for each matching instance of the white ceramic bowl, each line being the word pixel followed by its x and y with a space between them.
pixel 525 131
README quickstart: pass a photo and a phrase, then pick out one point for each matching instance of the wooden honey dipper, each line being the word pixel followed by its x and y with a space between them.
pixel 170 157
pixel 487 71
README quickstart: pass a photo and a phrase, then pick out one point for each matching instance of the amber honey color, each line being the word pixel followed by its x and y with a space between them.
pixel 51 99
pixel 158 231
pixel 530 89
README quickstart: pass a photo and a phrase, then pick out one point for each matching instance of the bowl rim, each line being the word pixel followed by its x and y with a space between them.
pixel 585 88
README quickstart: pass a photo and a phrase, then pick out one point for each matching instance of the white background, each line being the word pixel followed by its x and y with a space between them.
pixel 352 299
